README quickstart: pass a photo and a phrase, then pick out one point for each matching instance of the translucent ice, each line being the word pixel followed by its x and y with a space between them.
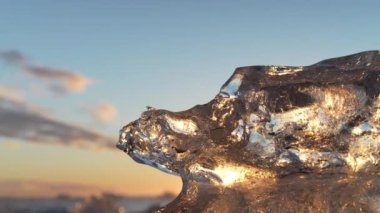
pixel 275 139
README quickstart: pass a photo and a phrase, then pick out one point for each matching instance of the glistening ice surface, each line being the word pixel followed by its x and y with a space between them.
pixel 275 139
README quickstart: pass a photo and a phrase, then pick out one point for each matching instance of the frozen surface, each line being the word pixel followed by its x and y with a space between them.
pixel 276 138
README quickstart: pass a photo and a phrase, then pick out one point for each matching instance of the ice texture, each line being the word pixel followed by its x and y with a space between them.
pixel 275 139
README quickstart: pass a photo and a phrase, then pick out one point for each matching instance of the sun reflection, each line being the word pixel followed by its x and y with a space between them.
pixel 230 174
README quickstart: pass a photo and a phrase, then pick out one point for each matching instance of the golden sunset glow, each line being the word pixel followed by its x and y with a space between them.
pixel 39 171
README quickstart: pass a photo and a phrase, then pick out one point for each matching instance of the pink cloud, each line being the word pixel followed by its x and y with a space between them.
pixel 11 93
pixel 104 113
pixel 59 80
pixel 20 121
pixel 65 80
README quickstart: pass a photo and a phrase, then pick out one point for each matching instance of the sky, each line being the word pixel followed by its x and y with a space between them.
pixel 72 73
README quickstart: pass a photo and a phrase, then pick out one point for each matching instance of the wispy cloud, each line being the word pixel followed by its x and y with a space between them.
pixel 104 113
pixel 13 56
pixel 67 80
pixel 11 93
pixel 60 80
pixel 20 121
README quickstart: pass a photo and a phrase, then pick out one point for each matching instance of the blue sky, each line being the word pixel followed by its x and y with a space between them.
pixel 170 54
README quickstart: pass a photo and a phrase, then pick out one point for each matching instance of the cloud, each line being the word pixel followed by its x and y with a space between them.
pixel 13 56
pixel 67 80
pixel 10 93
pixel 104 113
pixel 35 188
pixel 20 121
pixel 60 80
